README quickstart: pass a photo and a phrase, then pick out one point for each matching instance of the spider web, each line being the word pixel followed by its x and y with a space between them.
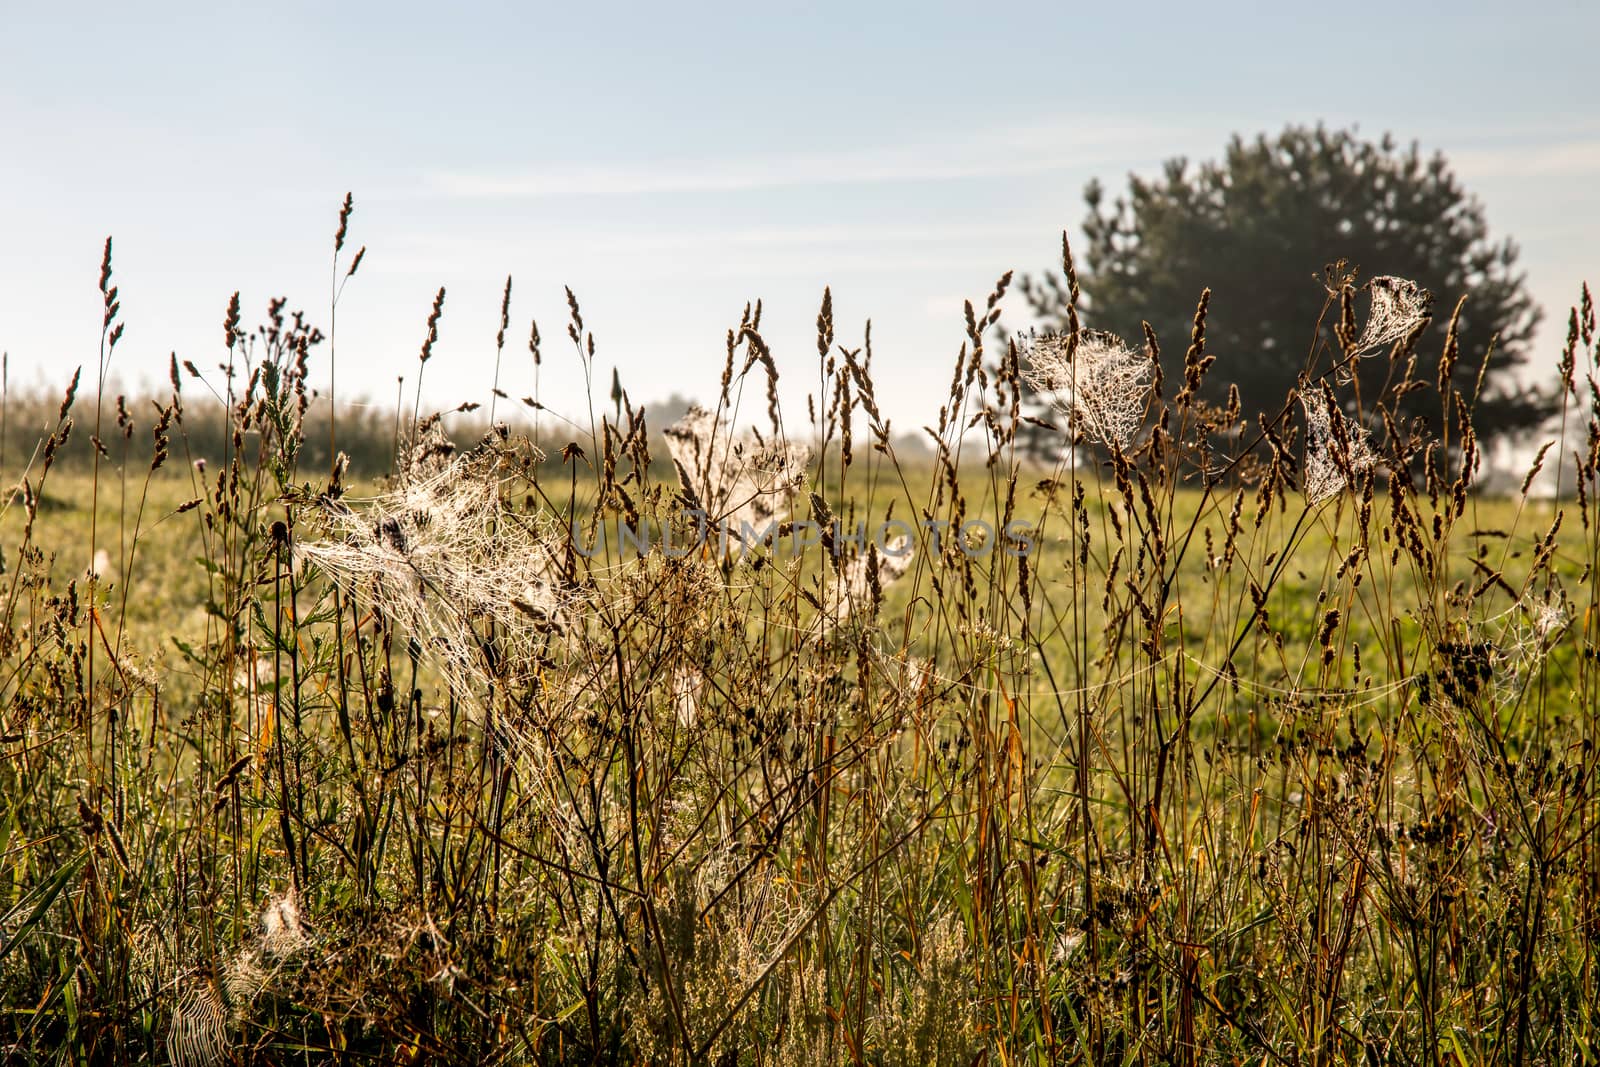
pixel 852 587
pixel 1529 628
pixel 198 1036
pixel 738 480
pixel 1399 305
pixel 445 559
pixel 1336 448
pixel 1100 384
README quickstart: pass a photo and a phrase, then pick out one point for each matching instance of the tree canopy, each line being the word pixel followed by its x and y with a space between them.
pixel 1261 229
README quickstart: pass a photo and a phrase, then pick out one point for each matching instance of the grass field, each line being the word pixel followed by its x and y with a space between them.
pixel 1274 745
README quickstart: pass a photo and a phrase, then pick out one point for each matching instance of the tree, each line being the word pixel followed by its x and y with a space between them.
pixel 1259 228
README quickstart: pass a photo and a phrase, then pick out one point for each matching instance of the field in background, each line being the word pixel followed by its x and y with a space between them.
pixel 1276 746
pixel 166 596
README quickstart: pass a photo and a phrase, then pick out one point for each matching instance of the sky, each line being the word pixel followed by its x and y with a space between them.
pixel 671 162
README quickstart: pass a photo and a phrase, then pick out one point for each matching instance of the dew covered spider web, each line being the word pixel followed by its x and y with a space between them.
pixel 1399 306
pixel 1337 449
pixel 1525 633
pixel 198 1033
pixel 743 482
pixel 446 559
pixel 737 480
pixel 1099 383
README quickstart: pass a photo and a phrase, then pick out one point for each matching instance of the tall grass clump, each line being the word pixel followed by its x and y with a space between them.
pixel 1215 736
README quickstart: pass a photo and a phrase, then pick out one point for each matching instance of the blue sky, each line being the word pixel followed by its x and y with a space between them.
pixel 670 162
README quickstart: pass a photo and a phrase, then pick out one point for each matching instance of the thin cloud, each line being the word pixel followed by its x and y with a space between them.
pixel 720 250
pixel 1567 159
pixel 1002 152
